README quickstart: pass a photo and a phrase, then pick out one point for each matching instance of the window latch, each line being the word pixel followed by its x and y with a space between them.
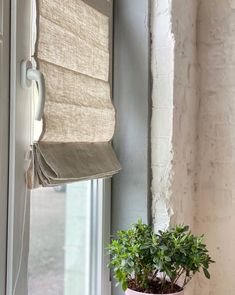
pixel 29 74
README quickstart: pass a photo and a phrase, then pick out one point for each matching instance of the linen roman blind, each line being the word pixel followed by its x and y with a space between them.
pixel 72 51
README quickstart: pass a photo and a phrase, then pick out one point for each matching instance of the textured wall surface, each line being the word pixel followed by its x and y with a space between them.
pixel 162 112
pixel 216 179
pixel 184 138
pixel 175 109
pixel 193 128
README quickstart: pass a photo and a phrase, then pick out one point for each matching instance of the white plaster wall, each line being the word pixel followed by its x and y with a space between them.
pixel 175 111
pixel 193 128
pixel 216 159
pixel 162 112
pixel 174 114
pixel 186 103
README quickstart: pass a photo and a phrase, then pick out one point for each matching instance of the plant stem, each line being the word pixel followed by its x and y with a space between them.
pixel 181 271
pixel 154 276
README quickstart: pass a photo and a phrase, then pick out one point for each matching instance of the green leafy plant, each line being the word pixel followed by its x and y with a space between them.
pixel 155 263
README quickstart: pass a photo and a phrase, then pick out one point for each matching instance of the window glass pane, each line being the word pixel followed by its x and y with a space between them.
pixel 59 240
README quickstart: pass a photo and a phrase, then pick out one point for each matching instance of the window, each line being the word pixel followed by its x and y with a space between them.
pixel 56 236
pixel 66 240
pixel 59 251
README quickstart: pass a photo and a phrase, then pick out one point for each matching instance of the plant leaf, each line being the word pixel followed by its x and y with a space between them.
pixel 124 286
pixel 206 273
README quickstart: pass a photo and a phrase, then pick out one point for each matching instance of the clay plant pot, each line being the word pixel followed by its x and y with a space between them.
pixel 131 292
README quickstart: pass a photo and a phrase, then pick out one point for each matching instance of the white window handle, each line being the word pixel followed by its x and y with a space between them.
pixel 28 74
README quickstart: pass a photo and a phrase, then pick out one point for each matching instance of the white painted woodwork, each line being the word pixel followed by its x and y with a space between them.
pixel 20 132
pixel 4 111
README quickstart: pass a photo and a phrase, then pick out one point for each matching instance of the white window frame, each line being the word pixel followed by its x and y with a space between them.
pixel 100 283
pixel 4 135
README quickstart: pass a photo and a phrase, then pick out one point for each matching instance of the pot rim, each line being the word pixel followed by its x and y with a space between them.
pixel 140 293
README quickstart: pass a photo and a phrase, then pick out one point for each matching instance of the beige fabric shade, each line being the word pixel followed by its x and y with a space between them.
pixel 72 52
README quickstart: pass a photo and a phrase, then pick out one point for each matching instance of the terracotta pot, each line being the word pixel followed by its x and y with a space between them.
pixel 131 292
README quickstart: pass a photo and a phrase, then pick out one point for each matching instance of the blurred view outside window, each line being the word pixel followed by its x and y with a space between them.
pixel 59 240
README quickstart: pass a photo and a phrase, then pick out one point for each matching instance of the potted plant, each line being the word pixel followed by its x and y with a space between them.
pixel 162 263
